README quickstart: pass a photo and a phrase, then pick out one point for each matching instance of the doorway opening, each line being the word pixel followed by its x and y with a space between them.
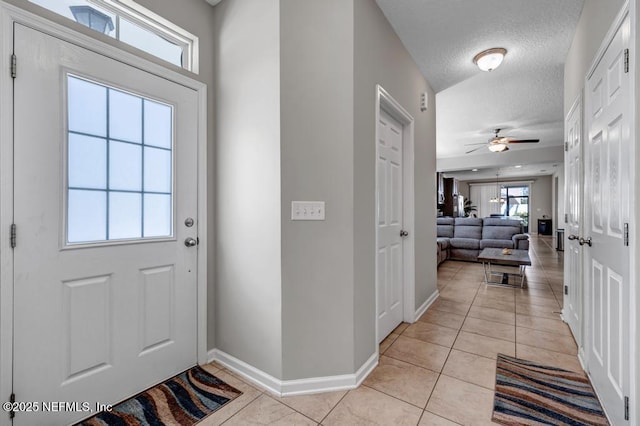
pixel 516 203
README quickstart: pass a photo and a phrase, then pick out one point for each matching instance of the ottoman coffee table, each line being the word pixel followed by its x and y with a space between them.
pixel 494 256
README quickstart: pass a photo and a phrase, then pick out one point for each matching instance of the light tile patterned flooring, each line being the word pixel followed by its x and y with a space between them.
pixel 441 370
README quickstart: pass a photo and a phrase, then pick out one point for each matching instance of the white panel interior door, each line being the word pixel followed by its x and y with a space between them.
pixel 105 175
pixel 573 298
pixel 607 200
pixel 389 242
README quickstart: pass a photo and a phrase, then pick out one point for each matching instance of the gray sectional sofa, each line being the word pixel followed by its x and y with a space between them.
pixel 464 238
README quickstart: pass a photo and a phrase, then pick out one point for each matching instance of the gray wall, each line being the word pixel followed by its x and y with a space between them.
pixel 541 201
pixel 317 164
pixel 330 55
pixel 380 58
pixel 463 189
pixel 333 54
pixel 595 20
pixel 194 16
pixel 248 268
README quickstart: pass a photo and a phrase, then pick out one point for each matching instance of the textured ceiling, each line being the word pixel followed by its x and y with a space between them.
pixel 523 96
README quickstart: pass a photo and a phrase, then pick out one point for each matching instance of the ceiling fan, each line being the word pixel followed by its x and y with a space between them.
pixel 499 143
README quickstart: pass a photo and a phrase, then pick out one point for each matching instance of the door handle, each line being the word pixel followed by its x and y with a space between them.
pixel 572 237
pixel 404 233
pixel 587 241
pixel 190 242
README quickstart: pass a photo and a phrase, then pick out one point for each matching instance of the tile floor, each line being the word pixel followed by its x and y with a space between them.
pixel 441 370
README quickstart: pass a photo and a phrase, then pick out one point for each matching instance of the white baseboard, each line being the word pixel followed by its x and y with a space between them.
pixel 298 386
pixel 581 355
pixel 366 368
pixel 422 309
pixel 247 371
pixel 582 358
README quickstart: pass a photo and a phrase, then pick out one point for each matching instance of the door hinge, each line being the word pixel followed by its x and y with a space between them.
pixel 566 289
pixel 626 60
pixel 12 412
pixel 626 235
pixel 566 218
pixel 566 147
pixel 626 408
pixel 13 235
pixel 14 65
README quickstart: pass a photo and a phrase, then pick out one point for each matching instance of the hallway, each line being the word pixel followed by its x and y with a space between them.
pixel 440 370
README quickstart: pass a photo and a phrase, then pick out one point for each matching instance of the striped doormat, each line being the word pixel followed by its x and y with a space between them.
pixel 181 400
pixel 531 394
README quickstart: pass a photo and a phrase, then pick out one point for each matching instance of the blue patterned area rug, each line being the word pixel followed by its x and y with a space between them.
pixel 181 400
pixel 531 394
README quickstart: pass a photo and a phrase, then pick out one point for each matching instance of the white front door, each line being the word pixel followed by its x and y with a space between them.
pixel 105 176
pixel 607 213
pixel 574 290
pixel 389 241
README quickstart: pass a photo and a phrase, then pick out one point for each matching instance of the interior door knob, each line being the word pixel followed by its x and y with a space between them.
pixel 587 241
pixel 404 233
pixel 190 242
pixel 572 237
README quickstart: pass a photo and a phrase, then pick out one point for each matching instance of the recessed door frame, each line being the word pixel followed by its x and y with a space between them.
pixel 385 102
pixel 9 15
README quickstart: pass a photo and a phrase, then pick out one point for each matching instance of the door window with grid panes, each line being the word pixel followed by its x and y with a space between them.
pixel 120 164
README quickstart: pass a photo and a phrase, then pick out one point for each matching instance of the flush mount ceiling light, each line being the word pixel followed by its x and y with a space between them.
pixel 490 59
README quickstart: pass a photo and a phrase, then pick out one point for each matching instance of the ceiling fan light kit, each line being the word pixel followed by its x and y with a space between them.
pixel 498 147
pixel 499 143
pixel 490 59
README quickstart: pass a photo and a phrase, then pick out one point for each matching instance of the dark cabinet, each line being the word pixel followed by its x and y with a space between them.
pixel 545 227
pixel 440 187
pixel 449 206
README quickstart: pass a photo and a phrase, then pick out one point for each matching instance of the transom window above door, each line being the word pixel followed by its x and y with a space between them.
pixel 133 24
pixel 119 164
